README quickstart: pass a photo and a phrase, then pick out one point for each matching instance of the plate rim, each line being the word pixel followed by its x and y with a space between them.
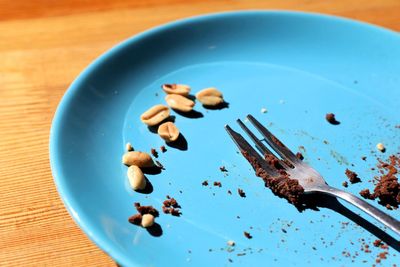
pixel 59 179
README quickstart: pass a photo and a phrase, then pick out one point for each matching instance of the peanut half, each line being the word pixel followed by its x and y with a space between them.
pixel 179 102
pixel 168 131
pixel 179 89
pixel 155 115
pixel 147 220
pixel 136 178
pixel 140 159
pixel 210 97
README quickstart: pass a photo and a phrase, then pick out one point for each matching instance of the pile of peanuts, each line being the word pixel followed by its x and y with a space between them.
pixel 178 99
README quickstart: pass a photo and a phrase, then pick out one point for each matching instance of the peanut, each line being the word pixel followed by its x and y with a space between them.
pixel 128 147
pixel 179 102
pixel 179 89
pixel 140 159
pixel 136 178
pixel 380 147
pixel 168 131
pixel 155 115
pixel 210 97
pixel 147 220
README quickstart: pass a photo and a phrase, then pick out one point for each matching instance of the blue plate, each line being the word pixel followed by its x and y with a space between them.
pixel 299 67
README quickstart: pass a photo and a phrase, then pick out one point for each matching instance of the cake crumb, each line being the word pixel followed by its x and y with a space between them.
pixel 247 235
pixel 163 149
pixel 345 184
pixel 264 110
pixel 230 243
pixel 154 152
pixel 204 183
pixel 330 117
pixel 353 177
pixel 217 184
pixel 241 192
pixel 299 156
pixel 223 169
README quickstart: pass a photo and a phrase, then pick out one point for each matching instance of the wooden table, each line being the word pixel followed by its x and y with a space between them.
pixel 44 45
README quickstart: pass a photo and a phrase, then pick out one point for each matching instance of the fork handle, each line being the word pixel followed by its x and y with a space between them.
pixel 379 215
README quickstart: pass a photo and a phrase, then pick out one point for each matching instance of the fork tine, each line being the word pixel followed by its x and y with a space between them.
pixel 274 142
pixel 259 145
pixel 243 145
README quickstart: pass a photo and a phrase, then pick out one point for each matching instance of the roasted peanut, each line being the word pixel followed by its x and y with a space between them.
pixel 147 220
pixel 210 97
pixel 179 89
pixel 155 115
pixel 140 159
pixel 168 131
pixel 136 178
pixel 179 102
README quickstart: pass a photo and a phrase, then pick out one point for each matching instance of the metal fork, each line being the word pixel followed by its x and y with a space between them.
pixel 308 178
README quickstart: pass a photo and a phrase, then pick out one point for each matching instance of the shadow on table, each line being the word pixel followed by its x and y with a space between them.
pixel 329 202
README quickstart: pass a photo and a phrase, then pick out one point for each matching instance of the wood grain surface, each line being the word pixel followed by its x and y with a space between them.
pixel 44 45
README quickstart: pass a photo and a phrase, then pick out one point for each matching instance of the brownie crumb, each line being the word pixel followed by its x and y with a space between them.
pixel 353 177
pixel 366 194
pixel 154 152
pixel 163 149
pixel 241 192
pixel 377 243
pixel 204 183
pixel 283 230
pixel 345 184
pixel 247 235
pixel 136 219
pixel 281 184
pixel 171 206
pixel 146 210
pixel 217 184
pixel 229 192
pixel 299 156
pixel 364 158
pixel 223 169
pixel 330 117
pixel 387 190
